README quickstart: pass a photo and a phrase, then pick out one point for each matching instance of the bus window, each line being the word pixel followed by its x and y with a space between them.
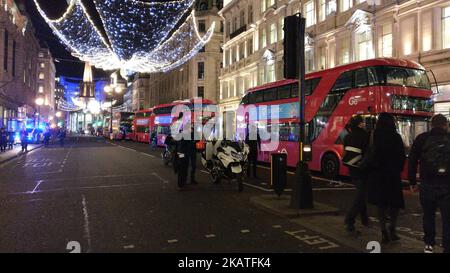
pixel 270 94
pixel 294 90
pixel 361 78
pixel 258 97
pixel 343 83
pixel 396 76
pixel 284 92
pixel 311 85
pixel 372 76
pixel 251 98
pixel 245 99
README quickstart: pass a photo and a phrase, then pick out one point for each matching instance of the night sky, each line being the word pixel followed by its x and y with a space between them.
pixel 54 9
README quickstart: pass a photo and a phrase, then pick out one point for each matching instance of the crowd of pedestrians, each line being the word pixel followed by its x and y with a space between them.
pixel 376 160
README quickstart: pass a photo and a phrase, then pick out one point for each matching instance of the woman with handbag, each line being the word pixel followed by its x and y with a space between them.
pixel 383 164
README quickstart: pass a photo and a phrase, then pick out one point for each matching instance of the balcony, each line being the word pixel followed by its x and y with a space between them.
pixel 238 31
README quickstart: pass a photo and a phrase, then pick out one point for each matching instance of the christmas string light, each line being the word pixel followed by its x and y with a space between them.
pixel 141 34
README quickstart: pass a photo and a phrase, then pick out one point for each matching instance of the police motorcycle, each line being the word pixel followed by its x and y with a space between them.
pixel 225 159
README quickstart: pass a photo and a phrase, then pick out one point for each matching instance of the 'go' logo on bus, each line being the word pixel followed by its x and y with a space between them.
pixel 353 101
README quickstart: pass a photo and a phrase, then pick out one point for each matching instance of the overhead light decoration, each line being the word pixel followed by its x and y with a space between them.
pixel 140 36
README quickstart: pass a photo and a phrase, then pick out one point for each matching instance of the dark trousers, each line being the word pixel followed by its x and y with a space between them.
pixel 432 198
pixel 359 204
pixel 24 146
pixel 252 163
pixel 393 215
pixel 182 169
pixel 192 158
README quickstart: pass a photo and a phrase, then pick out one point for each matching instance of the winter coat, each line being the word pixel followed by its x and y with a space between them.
pixel 355 146
pixel 386 164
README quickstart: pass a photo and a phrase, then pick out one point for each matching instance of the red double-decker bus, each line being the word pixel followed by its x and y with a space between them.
pixel 142 125
pixel 162 118
pixel 333 96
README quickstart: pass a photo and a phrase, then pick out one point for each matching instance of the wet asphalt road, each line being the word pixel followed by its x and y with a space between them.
pixel 119 197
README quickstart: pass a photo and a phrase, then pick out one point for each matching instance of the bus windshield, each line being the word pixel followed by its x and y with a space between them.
pixel 408 77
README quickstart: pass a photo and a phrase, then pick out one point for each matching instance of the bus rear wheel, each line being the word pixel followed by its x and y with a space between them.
pixel 330 166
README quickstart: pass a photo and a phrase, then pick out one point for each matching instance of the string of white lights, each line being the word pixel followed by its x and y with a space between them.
pixel 138 34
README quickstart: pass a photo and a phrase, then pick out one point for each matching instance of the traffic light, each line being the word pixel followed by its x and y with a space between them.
pixel 294 45
pixel 291 57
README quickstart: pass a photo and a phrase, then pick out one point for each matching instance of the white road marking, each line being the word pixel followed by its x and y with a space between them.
pixel 37 185
pixel 276 226
pixel 149 155
pixel 172 241
pixel 203 171
pixel 245 231
pixel 210 236
pixel 87 231
pixel 133 150
pixel 82 188
pixel 160 178
pixel 128 247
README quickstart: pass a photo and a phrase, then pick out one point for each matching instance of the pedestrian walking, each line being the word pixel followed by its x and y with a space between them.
pixel 254 142
pixel 192 157
pixel 431 151
pixel 24 140
pixel 3 139
pixel 61 136
pixel 355 146
pixel 154 139
pixel 47 136
pixel 384 161
pixel 11 139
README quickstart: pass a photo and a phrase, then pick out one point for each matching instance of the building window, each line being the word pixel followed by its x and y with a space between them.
pixel 242 19
pixel 309 14
pixel 364 46
pixel 270 72
pixel 386 41
pixel 344 52
pixel 235 19
pixel 228 30
pixel 41 88
pixel 242 51
pixel 234 54
pixel 264 38
pixel 201 91
pixel 249 46
pixel 322 10
pixel 346 5
pixel 446 27
pixel 5 55
pixel 227 57
pixel 273 33
pixel 42 65
pixel 201 25
pixel 250 14
pixel 201 70
pixel 281 24
pixel 41 76
pixel 323 58
pixel 309 60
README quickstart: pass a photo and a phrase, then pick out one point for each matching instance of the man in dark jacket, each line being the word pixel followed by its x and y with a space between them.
pixel 432 150
pixel 254 146
pixel 355 145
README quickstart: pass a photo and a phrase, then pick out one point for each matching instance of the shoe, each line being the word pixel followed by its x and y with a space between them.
pixel 428 249
pixel 385 237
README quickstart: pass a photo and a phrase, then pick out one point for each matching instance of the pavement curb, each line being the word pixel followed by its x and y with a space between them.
pixel 20 154
pixel 280 206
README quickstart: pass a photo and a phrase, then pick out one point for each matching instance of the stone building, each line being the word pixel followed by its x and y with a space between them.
pixel 196 78
pixel 19 59
pixel 46 83
pixel 338 32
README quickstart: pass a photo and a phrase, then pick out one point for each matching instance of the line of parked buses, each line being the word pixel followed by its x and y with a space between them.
pixel 397 86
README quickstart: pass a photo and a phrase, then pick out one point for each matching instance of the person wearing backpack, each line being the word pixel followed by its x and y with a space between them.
pixel 431 151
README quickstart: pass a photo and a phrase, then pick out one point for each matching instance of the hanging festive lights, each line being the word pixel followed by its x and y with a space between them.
pixel 141 36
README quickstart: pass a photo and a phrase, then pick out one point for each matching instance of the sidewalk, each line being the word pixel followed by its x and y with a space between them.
pixel 16 151
pixel 331 224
